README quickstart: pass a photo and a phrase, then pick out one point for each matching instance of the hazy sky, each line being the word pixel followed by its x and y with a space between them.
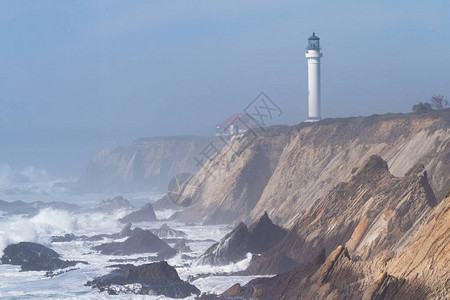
pixel 80 76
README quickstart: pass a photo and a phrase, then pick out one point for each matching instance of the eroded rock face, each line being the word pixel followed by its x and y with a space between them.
pixel 337 278
pixel 419 271
pixel 426 259
pixel 286 169
pixel 34 257
pixel 373 213
pixel 144 241
pixel 234 247
pixel 144 214
pixel 155 278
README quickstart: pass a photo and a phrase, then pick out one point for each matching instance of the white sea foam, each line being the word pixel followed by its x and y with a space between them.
pixel 70 285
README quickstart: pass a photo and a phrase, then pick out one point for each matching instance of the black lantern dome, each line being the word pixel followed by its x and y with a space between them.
pixel 313 42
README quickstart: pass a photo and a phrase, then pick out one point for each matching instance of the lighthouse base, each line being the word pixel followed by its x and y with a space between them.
pixel 313 119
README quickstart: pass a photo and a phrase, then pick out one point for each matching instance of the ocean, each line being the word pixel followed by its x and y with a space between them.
pixel 15 284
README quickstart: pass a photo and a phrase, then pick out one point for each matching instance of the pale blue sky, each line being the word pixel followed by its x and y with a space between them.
pixel 80 76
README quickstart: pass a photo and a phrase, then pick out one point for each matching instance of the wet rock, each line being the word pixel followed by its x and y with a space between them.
pixel 182 247
pixel 156 278
pixel 234 247
pixel 166 232
pixel 231 248
pixel 144 241
pixel 111 205
pixel 68 237
pixel 145 214
pixel 34 257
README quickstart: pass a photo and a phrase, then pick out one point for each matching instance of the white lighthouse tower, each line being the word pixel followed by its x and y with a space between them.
pixel 313 55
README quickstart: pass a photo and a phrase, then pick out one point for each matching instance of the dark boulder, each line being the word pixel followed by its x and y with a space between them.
pixel 144 241
pixel 156 278
pixel 234 247
pixel 145 214
pixel 264 234
pixel 34 257
pixel 231 248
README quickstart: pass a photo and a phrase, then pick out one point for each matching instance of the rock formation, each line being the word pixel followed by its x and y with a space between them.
pixel 34 257
pixel 182 247
pixel 373 213
pixel 144 214
pixel 419 271
pixel 110 205
pixel 144 241
pixel 234 247
pixel 166 232
pixel 155 278
pixel 69 237
pixel 33 208
pixel 146 164
pixel 285 169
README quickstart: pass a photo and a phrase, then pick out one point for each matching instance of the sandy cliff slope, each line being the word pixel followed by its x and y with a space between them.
pixel 284 170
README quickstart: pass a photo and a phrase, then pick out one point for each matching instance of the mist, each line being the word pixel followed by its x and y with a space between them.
pixel 79 78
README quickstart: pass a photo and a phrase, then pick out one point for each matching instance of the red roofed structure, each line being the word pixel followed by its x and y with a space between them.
pixel 236 123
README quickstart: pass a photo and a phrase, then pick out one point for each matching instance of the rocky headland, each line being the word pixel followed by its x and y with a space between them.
pixel 146 164
pixel 285 169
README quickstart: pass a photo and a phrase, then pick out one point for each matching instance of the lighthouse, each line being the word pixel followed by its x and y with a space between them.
pixel 313 55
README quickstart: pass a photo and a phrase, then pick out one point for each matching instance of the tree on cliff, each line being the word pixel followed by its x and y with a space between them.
pixel 422 108
pixel 438 102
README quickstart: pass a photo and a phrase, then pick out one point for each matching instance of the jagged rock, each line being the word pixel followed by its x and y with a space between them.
pixel 144 214
pixel 234 247
pixel 263 234
pixel 34 257
pixel 231 248
pixel 425 261
pixel 166 232
pixel 285 169
pixel 419 272
pixel 111 205
pixel 126 230
pixel 144 241
pixel 181 246
pixel 372 213
pixel 156 278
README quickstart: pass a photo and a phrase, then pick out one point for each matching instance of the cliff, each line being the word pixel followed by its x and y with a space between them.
pixel 420 271
pixel 146 164
pixel 285 169
pixel 373 214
